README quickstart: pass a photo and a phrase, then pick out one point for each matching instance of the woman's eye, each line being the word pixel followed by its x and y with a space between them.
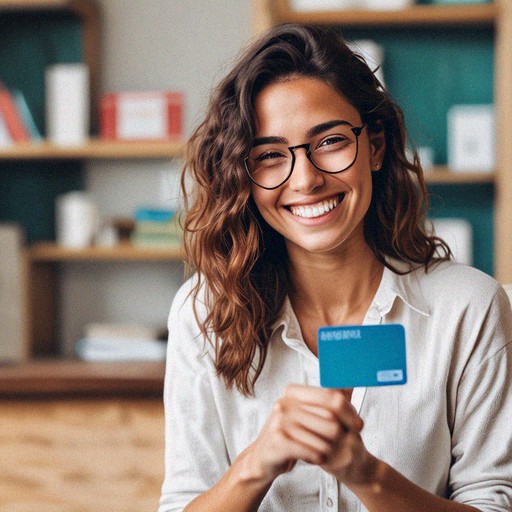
pixel 269 155
pixel 333 140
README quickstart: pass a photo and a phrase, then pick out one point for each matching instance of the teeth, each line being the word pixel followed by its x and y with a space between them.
pixel 315 210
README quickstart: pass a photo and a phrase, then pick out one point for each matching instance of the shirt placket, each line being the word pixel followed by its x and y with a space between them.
pixel 328 492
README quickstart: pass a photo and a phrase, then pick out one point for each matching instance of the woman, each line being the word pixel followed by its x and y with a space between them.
pixel 305 212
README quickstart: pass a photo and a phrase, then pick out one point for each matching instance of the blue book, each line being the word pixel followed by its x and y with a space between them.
pixel 153 215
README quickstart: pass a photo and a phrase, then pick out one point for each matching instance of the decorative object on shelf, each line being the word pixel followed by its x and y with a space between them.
pixel 426 155
pixel 67 104
pixel 458 234
pixel 157 228
pixel 77 220
pixel 124 227
pixel 373 54
pixel 107 236
pixel 152 115
pixel 471 138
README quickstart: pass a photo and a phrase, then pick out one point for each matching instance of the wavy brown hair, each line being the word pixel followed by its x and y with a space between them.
pixel 241 262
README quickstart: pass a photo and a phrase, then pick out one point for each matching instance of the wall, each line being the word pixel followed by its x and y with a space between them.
pixel 155 44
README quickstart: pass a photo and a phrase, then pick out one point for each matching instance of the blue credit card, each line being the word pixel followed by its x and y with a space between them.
pixel 362 355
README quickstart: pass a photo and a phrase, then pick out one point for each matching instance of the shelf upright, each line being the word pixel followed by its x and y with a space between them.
pixel 503 79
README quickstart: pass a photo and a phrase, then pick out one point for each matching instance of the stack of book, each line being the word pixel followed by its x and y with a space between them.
pixel 120 342
pixel 157 228
pixel 16 121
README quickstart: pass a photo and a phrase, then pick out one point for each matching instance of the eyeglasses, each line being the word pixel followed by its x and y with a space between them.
pixel 270 165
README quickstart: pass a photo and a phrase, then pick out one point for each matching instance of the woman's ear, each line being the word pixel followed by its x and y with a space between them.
pixel 377 146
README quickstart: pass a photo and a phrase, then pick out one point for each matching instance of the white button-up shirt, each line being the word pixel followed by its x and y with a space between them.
pixel 449 429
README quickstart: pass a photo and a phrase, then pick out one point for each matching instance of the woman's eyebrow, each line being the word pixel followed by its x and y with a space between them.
pixel 259 141
pixel 320 128
pixel 312 132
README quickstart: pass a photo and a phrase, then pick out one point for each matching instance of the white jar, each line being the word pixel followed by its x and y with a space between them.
pixel 76 220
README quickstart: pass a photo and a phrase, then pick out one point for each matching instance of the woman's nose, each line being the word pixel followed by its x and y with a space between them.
pixel 305 176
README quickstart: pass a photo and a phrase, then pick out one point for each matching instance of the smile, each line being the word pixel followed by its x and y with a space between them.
pixel 312 211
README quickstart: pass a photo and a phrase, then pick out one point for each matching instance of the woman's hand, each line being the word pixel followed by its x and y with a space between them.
pixel 316 425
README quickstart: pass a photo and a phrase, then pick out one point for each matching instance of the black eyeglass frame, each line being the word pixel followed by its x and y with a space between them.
pixel 356 131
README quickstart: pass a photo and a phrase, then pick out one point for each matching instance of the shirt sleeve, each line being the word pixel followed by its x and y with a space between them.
pixel 195 450
pixel 481 473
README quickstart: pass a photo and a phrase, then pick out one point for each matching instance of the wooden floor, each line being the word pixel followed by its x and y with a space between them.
pixel 76 455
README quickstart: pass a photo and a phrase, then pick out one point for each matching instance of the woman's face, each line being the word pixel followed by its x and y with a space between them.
pixel 314 211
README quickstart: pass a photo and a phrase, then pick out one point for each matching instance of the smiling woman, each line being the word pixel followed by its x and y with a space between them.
pixel 327 189
pixel 304 213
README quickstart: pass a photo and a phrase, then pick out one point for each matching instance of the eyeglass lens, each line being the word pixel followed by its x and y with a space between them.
pixel 270 165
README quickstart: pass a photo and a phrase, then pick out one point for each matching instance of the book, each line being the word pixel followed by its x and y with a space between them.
pixel 139 116
pixel 157 228
pixel 26 115
pixel 15 125
pixel 121 342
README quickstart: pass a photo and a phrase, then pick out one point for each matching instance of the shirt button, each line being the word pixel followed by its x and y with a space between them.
pixel 329 502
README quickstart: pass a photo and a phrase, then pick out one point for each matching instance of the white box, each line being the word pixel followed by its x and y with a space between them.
pixel 471 138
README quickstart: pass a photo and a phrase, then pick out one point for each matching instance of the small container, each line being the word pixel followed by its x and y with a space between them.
pixel 77 220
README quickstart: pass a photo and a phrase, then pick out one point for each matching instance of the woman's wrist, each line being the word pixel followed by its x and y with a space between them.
pixel 249 470
pixel 374 480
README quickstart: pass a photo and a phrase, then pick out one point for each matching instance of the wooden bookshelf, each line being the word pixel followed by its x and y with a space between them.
pixel 94 149
pixel 42 272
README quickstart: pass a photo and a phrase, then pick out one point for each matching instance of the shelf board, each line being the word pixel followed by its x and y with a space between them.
pixel 73 377
pixel 42 5
pixel 51 252
pixel 443 175
pixel 94 149
pixel 449 15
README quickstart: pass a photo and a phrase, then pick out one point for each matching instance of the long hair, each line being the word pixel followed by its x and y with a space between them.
pixel 241 262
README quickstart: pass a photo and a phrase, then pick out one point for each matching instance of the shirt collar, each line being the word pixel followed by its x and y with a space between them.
pixel 406 287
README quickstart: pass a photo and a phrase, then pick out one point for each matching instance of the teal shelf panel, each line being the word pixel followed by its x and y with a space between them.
pixel 473 203
pixel 429 70
pixel 28 44
pixel 29 190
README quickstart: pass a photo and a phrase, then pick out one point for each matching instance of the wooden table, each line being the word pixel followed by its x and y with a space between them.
pixel 79 437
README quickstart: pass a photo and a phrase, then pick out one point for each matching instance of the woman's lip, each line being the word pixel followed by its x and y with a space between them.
pixel 310 204
pixel 316 210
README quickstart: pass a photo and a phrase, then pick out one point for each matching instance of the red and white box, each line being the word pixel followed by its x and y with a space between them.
pixel 139 116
